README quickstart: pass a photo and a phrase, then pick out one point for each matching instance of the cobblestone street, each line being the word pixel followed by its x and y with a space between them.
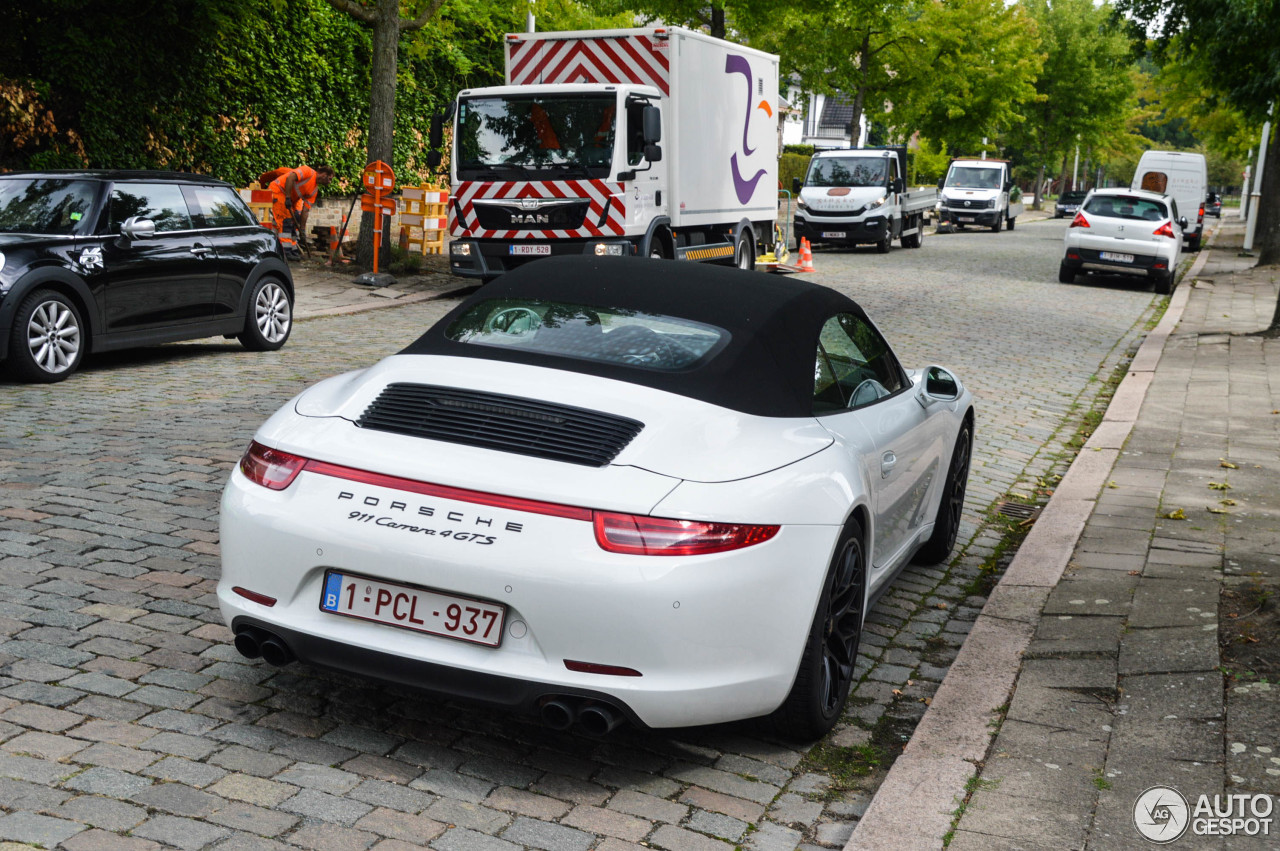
pixel 128 721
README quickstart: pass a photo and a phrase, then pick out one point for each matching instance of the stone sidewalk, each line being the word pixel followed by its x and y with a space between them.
pixel 1123 685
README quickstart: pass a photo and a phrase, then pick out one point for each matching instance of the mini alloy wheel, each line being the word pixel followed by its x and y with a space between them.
pixel 47 341
pixel 270 317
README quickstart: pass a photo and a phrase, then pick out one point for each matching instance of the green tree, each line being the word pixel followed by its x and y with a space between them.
pixel 1084 88
pixel 972 72
pixel 680 13
pixel 1236 45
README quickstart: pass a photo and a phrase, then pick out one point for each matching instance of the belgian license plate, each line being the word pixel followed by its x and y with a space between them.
pixel 834 234
pixel 1115 258
pixel 535 250
pixel 418 609
pixel 964 218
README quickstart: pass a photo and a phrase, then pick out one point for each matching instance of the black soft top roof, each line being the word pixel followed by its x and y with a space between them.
pixel 766 369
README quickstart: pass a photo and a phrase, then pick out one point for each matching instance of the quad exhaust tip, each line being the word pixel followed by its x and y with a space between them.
pixel 255 643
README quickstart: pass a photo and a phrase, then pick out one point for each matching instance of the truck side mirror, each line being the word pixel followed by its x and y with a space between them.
pixel 651 126
pixel 435 136
pixel 941 182
pixel 1008 184
pixel 653 153
pixel 897 184
pixel 434 158
pixel 795 186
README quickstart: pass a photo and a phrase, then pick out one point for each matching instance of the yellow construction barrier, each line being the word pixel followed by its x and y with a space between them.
pixel 424 216
pixel 259 201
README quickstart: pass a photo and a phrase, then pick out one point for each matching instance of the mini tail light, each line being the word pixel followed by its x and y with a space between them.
pixel 269 467
pixel 1080 221
pixel 1165 229
pixel 657 536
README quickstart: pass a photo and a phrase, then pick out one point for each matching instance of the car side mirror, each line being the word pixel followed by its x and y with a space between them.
pixel 136 227
pixel 795 186
pixel 937 385
pixel 653 153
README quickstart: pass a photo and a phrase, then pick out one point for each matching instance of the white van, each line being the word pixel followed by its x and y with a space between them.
pixel 1183 176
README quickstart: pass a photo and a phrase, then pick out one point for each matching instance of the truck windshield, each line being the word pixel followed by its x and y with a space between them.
pixel 547 136
pixel 47 207
pixel 848 171
pixel 974 177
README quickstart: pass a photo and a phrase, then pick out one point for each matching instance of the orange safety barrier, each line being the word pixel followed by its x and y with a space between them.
pixel 423 218
pixel 259 201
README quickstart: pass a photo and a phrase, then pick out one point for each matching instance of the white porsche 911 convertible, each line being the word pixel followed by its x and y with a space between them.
pixel 603 490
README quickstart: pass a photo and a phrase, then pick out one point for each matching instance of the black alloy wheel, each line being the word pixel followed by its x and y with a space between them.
pixel 946 525
pixel 826 671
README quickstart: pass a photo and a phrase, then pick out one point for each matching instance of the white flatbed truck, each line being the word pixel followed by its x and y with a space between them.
pixel 975 193
pixel 856 196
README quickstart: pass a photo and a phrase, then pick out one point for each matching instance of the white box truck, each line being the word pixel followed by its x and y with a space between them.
pixel 1183 176
pixel 976 192
pixel 657 142
pixel 857 196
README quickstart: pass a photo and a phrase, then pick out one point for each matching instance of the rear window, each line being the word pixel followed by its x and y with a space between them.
pixel 586 332
pixel 1127 207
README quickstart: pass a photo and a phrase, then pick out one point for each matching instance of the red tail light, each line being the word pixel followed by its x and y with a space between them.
pixel 269 467
pixel 1165 229
pixel 657 536
pixel 1202 212
pixel 1080 221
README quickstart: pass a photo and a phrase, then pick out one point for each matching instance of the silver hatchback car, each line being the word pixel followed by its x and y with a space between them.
pixel 1126 232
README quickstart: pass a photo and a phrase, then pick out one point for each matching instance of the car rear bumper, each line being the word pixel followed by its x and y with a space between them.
pixel 715 638
pixel 1141 264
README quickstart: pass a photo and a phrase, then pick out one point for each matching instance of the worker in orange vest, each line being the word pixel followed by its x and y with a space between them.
pixel 294 189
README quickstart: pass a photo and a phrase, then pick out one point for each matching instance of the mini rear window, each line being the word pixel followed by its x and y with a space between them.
pixel 1127 207
pixel 587 332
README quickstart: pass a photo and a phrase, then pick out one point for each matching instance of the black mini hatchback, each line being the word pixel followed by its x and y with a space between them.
pixel 98 260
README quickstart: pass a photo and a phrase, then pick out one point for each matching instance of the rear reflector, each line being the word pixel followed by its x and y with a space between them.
pixel 533 506
pixel 269 467
pixel 1080 221
pixel 263 599
pixel 593 668
pixel 657 536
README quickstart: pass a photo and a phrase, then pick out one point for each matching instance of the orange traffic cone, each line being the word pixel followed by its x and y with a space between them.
pixel 806 256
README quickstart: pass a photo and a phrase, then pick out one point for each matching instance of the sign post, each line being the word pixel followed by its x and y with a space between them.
pixel 379 182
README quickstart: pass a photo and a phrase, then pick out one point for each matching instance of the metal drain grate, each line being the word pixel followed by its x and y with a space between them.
pixel 1018 511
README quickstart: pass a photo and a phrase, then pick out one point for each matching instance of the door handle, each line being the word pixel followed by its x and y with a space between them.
pixel 886 464
pixel 200 250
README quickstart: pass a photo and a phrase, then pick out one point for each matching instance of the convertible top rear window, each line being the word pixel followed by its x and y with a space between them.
pixel 625 337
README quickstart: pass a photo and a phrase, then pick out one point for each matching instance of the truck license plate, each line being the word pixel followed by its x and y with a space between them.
pixel 1115 258
pixel 834 234
pixel 417 609
pixel 536 250
pixel 964 218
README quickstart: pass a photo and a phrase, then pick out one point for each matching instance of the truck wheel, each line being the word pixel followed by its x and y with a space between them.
pixel 995 228
pixel 885 244
pixel 658 248
pixel 1011 221
pixel 744 255
pixel 1194 243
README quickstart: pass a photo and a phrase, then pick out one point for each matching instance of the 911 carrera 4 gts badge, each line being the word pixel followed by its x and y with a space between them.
pixel 396 514
pixel 91 258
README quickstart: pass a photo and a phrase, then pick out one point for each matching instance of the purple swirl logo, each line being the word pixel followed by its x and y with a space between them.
pixel 745 187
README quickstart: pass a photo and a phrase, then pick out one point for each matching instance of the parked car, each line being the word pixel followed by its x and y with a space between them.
pixel 1213 205
pixel 602 490
pixel 98 260
pixel 1127 232
pixel 1068 204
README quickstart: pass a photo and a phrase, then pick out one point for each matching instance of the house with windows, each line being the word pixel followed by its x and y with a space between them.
pixel 824 121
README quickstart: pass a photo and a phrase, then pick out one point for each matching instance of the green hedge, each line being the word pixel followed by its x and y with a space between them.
pixel 792 165
pixel 229 89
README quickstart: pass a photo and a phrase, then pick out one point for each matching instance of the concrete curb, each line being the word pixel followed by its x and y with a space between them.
pixel 914 806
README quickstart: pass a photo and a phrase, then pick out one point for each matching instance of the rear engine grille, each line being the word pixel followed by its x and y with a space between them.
pixel 504 423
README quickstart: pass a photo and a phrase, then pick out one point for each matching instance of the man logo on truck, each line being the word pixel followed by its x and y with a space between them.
pixel 734 64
